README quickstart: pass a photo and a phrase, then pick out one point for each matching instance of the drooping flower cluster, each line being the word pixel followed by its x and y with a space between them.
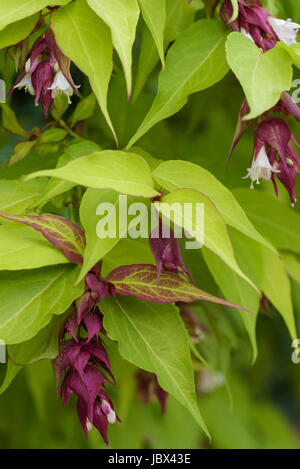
pixel 258 25
pixel 46 72
pixel 274 157
pixel 84 362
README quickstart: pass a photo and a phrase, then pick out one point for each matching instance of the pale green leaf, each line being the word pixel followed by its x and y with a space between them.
pixel 124 172
pixel 153 338
pixel 292 265
pixel 55 186
pixel 21 247
pixel 122 17
pixel 277 288
pixel 178 174
pixel 29 300
pixel 154 14
pixel 16 10
pixel 97 248
pixel 263 75
pixel 17 32
pixel 277 221
pixel 16 197
pixel 236 290
pixel 212 233
pixel 86 40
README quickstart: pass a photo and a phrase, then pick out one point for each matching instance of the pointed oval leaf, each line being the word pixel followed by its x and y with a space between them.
pixel 163 349
pixel 31 298
pixel 16 10
pixel 97 247
pixel 194 62
pixel 124 172
pixel 17 32
pixel 59 231
pixel 86 40
pixel 276 220
pixel 212 232
pixel 21 247
pixel 178 174
pixel 140 280
pixel 263 76
pixel 16 197
pixel 154 14
pixel 122 17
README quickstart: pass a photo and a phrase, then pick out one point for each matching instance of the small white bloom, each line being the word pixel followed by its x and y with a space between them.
pixel 261 168
pixel 27 83
pixel 248 35
pixel 89 425
pixel 285 30
pixel 27 65
pixel 61 85
pixel 109 412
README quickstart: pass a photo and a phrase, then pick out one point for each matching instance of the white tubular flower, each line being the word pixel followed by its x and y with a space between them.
pixel 89 425
pixel 61 85
pixel 261 168
pixel 248 35
pixel 285 30
pixel 27 83
pixel 109 412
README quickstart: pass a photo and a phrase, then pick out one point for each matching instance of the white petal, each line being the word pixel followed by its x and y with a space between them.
pixel 261 168
pixel 27 83
pixel 285 30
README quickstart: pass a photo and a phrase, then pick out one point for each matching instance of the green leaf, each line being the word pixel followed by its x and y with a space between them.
pixel 236 290
pixel 59 231
pixel 277 288
pixel 277 221
pixel 56 187
pixel 173 175
pixel 29 300
pixel 124 172
pixel 21 247
pixel 16 197
pixel 43 346
pixel 61 104
pixel 292 265
pixel 10 122
pixel 127 251
pixel 213 234
pixel 163 349
pixel 52 135
pixel 21 150
pixel 179 15
pixel 200 52
pixel 141 281
pixel 154 14
pixel 3 371
pixel 97 248
pixel 79 32
pixel 16 10
pixel 17 32
pixel 122 17
pixel 84 109
pixel 263 76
